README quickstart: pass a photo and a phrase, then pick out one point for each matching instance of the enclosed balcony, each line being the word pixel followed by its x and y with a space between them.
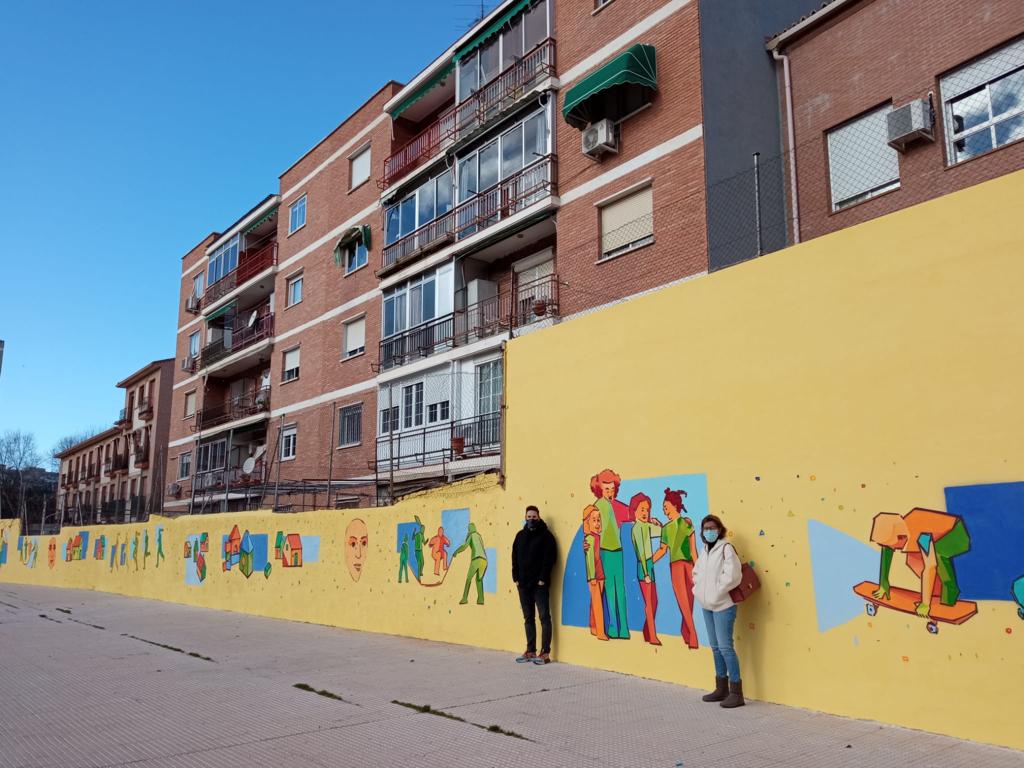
pixel 238 332
pixel 250 264
pixel 235 407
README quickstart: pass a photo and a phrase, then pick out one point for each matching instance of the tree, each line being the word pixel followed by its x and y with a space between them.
pixel 18 452
pixel 69 441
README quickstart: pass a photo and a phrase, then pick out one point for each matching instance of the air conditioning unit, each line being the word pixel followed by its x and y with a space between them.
pixel 188 364
pixel 599 138
pixel 909 123
pixel 192 304
pixel 174 489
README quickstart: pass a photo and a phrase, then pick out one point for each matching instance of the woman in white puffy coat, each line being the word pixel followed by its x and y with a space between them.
pixel 717 571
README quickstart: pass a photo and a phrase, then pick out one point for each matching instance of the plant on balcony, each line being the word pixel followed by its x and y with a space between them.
pixel 458 444
pixel 540 307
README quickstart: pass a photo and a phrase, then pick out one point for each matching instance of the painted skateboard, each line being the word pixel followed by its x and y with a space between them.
pixel 905 601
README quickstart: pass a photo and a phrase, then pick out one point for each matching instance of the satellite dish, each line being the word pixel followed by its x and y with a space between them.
pixel 260 451
pixel 252 317
pixel 249 465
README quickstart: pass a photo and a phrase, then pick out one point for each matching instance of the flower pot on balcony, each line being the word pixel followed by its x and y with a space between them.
pixel 540 307
pixel 458 445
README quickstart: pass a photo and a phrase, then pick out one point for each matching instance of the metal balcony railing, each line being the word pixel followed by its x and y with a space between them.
pixel 122 417
pixel 475 112
pixel 225 479
pixel 242 334
pixel 142 456
pixel 439 444
pixel 535 300
pixel 530 185
pixel 250 264
pixel 119 462
pixel 248 404
pixel 145 408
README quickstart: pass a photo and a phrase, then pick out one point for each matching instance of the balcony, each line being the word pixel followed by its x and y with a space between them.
pixel 228 479
pixel 92 473
pixel 250 264
pixel 123 418
pixel 141 456
pixel 145 408
pixel 239 407
pixel 466 118
pixel 243 334
pixel 117 463
pixel 440 444
pixel 518 192
pixel 535 301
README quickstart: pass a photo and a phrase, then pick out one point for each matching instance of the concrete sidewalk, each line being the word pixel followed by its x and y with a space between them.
pixel 90 679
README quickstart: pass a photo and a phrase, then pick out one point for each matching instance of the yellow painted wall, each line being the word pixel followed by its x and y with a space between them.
pixel 861 372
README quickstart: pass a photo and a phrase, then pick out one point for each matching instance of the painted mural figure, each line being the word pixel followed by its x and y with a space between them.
pixel 477 564
pixel 145 547
pixel 356 544
pixel 113 551
pixel 51 553
pixel 605 487
pixel 403 561
pixel 159 545
pixel 438 551
pixel 680 538
pixel 643 534
pixel 417 546
pixel 930 541
pixel 595 573
pixel 135 550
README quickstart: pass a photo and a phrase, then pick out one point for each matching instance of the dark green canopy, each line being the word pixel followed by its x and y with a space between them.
pixel 615 90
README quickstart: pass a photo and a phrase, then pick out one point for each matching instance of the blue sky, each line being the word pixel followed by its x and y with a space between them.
pixel 128 131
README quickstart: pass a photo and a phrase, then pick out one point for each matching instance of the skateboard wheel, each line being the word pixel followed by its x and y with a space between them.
pixel 933 627
pixel 872 609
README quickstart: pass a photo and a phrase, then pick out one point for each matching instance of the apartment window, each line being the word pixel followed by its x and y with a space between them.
pixel 291 364
pixel 190 404
pixel 488 388
pixel 184 465
pixel 297 215
pixel 418 301
pixel 355 256
pixel 293 293
pixel 359 168
pixel 438 412
pixel 984 103
pixel 627 223
pixel 350 425
pixel 223 261
pixel 861 164
pixel 289 442
pixel 193 344
pixel 522 34
pixel 388 419
pixel 198 285
pixel 210 456
pixel 354 337
pixel 429 201
pixel 412 404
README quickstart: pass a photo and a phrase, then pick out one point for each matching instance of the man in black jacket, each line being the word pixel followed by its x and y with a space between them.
pixel 533 557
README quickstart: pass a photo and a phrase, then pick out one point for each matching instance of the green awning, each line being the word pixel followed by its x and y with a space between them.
pixel 221 312
pixel 269 215
pixel 615 90
pixel 423 90
pixel 491 29
pixel 353 234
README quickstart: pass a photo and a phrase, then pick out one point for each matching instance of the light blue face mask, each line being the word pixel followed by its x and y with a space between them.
pixel 711 535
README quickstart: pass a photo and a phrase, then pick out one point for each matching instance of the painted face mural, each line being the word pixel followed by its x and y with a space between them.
pixel 51 553
pixel 356 541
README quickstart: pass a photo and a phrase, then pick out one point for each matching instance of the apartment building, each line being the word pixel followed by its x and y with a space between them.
pixel 894 102
pixel 117 475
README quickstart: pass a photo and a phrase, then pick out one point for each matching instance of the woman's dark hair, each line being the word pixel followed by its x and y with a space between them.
pixel 717 521
pixel 533 508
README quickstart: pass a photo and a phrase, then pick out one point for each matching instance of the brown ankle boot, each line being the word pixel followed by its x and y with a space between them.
pixel 735 697
pixel 720 692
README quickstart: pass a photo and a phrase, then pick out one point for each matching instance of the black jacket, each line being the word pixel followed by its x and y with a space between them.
pixel 533 555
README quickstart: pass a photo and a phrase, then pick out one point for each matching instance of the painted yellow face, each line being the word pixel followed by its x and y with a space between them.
pixel 356 542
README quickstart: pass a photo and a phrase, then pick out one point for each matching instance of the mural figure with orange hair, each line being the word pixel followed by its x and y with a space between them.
pixel 605 487
pixel 595 573
pixel 680 539
pixel 643 535
pixel 438 552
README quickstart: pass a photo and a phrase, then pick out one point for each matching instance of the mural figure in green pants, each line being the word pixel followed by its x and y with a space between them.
pixel 477 564
pixel 605 487
pixel 417 547
pixel 159 545
pixel 403 561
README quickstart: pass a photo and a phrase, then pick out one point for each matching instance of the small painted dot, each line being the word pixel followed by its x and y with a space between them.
pixel 758 478
pixel 1009 630
pixel 750 625
pixel 787 583
pixel 863 485
pixel 841 507
pixel 906 658
pixel 814 477
pixel 761 533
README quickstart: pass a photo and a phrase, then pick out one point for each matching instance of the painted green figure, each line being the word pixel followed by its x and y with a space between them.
pixel 159 546
pixel 417 546
pixel 611 561
pixel 145 547
pixel 135 550
pixel 477 564
pixel 403 561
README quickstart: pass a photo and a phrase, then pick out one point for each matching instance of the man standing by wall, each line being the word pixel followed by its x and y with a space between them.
pixel 533 557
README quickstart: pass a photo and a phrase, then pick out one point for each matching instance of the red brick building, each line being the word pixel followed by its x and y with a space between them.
pixel 957 69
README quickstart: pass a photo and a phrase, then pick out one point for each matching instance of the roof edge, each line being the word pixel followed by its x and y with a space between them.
pixel 808 23
pixel 143 371
pixel 97 438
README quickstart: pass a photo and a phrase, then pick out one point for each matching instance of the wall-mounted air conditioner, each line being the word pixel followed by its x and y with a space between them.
pixel 909 123
pixel 599 138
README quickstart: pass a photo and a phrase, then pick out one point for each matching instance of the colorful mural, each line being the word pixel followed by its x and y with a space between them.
pixel 51 552
pixel 3 547
pixel 196 551
pixel 28 548
pixel 159 545
pixel 245 551
pixel 596 593
pixel 293 550
pixel 455 534
pixel 356 544
pixel 99 550
pixel 76 547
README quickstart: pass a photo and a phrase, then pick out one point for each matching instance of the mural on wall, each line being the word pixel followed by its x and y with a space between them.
pixel 28 548
pixel 245 551
pixel 455 534
pixel 945 561
pixel 99 549
pixel 51 552
pixel 293 550
pixel 622 551
pixel 1018 595
pixel 356 543
pixel 197 549
pixel 76 547
pixel 159 545
pixel 3 547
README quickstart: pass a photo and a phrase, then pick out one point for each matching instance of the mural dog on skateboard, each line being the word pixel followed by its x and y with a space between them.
pixel 930 540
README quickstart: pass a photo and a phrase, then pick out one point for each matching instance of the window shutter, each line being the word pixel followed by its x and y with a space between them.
pixel 355 336
pixel 291 359
pixel 627 220
pixel 860 159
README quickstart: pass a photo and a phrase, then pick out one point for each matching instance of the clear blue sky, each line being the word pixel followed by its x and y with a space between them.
pixel 128 131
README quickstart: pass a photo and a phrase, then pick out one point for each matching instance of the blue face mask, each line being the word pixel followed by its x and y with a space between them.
pixel 711 536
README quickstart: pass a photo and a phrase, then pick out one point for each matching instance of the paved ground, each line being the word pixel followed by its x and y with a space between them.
pixel 88 679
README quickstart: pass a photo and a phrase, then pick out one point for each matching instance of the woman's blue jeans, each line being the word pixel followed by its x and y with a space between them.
pixel 719 625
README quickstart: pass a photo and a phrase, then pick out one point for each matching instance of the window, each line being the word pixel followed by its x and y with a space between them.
pixel 418 301
pixel 350 425
pixel 223 261
pixel 429 201
pixel 211 456
pixel 190 404
pixel 289 442
pixel 197 285
pixel 293 293
pixel 355 256
pixel 984 103
pixel 354 338
pixel 488 388
pixel 359 168
pixel 297 215
pixel 193 344
pixel 861 164
pixel 412 405
pixel 291 364
pixel 388 419
pixel 438 412
pixel 627 223
pixel 521 35
pixel 184 466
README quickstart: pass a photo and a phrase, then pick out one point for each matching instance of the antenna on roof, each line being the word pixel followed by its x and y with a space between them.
pixel 480 10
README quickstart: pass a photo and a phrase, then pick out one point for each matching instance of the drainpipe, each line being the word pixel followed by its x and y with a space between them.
pixel 790 141
pixel 503 411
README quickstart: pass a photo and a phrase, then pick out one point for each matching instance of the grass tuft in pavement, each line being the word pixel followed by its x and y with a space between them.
pixel 322 692
pixel 426 709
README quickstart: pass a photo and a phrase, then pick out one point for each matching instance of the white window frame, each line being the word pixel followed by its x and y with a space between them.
pixel 194 346
pixel 352 251
pixel 185 465
pixel 355 157
pixel 413 411
pixel 394 419
pixel 517 23
pixel 289 442
pixel 439 412
pixel 191 394
pixel 886 152
pixel 435 183
pixel 478 380
pixel 223 261
pixel 346 353
pixel 290 283
pixel 284 371
pixel 406 289
pixel 199 284
pixel 342 411
pixel 299 206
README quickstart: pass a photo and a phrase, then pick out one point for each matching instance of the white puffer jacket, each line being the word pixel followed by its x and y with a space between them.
pixel 716 571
